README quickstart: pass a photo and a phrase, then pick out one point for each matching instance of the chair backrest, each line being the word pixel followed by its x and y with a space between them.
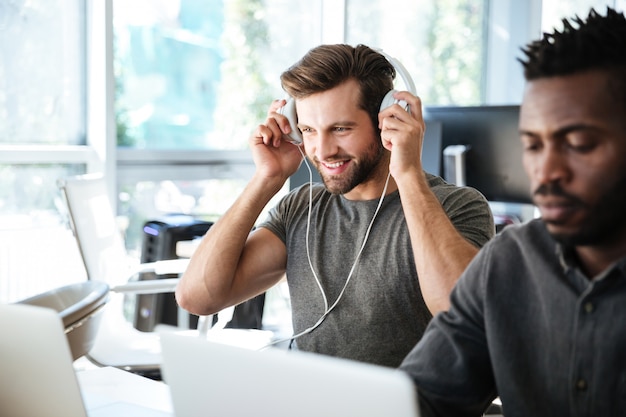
pixel 102 246
pixel 93 222
pixel 80 307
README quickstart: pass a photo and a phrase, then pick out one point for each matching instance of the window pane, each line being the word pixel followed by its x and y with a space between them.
pixel 440 42
pixel 31 190
pixel 37 249
pixel 42 102
pixel 41 72
pixel 195 74
pixel 554 11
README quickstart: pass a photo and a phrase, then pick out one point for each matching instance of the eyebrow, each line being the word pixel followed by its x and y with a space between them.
pixel 562 130
pixel 331 125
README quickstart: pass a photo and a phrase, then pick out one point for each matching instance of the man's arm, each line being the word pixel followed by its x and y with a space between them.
pixel 441 252
pixel 451 365
pixel 231 264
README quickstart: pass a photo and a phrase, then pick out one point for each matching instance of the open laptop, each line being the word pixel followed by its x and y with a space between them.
pixel 37 376
pixel 205 378
pixel 213 379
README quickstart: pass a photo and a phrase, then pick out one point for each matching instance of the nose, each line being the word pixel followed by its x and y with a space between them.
pixel 550 165
pixel 325 146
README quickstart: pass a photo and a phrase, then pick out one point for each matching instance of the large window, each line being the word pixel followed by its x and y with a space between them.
pixel 42 126
pixel 42 75
pixel 442 43
pixel 197 76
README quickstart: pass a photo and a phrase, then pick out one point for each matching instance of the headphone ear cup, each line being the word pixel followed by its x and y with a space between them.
pixel 388 100
pixel 289 111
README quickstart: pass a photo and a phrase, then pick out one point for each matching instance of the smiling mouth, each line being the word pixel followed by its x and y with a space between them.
pixel 333 165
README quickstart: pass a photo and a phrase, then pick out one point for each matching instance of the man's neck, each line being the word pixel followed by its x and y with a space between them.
pixel 372 188
pixel 596 259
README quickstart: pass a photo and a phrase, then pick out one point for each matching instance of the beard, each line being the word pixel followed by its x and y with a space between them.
pixel 360 171
pixel 606 221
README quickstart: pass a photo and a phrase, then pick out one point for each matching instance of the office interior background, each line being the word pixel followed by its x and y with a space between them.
pixel 161 96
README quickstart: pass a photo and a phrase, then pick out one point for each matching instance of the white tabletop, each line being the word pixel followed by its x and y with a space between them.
pixel 112 392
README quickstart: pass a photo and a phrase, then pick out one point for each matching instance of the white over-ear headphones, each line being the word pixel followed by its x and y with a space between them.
pixel 388 100
pixel 289 109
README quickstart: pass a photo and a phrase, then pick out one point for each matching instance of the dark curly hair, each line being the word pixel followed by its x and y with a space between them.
pixel 599 42
pixel 326 66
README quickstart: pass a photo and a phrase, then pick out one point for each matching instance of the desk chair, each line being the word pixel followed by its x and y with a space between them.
pixel 102 248
pixel 80 307
pixel 99 240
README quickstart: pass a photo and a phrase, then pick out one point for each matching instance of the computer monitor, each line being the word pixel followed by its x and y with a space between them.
pixel 493 161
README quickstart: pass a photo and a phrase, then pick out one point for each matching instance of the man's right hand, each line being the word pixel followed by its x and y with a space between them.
pixel 274 156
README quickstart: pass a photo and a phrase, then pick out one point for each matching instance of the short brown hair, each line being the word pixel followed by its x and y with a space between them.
pixel 326 66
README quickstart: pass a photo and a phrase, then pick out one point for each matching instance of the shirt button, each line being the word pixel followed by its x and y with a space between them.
pixel 581 385
pixel 588 307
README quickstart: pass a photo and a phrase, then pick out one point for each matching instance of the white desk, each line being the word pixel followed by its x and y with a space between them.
pixel 113 392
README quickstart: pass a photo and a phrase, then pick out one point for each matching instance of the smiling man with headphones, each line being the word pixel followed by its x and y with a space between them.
pixel 373 252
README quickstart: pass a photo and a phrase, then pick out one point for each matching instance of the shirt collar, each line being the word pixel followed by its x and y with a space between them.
pixel 566 257
pixel 569 261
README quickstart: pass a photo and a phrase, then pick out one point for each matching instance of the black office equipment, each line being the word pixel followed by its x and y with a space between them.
pixel 159 243
pixel 493 160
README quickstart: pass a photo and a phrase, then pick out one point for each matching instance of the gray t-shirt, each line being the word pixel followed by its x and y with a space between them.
pixel 382 314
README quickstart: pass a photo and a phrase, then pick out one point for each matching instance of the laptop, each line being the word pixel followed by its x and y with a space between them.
pixel 214 379
pixel 38 377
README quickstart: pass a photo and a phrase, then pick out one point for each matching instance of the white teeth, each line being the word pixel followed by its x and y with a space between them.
pixel 335 165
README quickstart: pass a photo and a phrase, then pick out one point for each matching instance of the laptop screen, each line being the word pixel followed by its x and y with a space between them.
pixel 238 382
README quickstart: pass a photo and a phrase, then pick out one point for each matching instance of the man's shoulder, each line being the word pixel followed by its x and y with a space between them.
pixel 298 199
pixel 443 189
pixel 534 229
pixel 304 189
pixel 531 236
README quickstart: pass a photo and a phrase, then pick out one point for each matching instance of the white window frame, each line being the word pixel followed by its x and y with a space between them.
pixel 511 25
pixel 98 152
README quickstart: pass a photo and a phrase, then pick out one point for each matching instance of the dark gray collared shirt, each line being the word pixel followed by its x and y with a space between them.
pixel 526 325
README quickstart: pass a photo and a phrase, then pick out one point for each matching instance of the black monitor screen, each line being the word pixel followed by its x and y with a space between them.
pixel 494 160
